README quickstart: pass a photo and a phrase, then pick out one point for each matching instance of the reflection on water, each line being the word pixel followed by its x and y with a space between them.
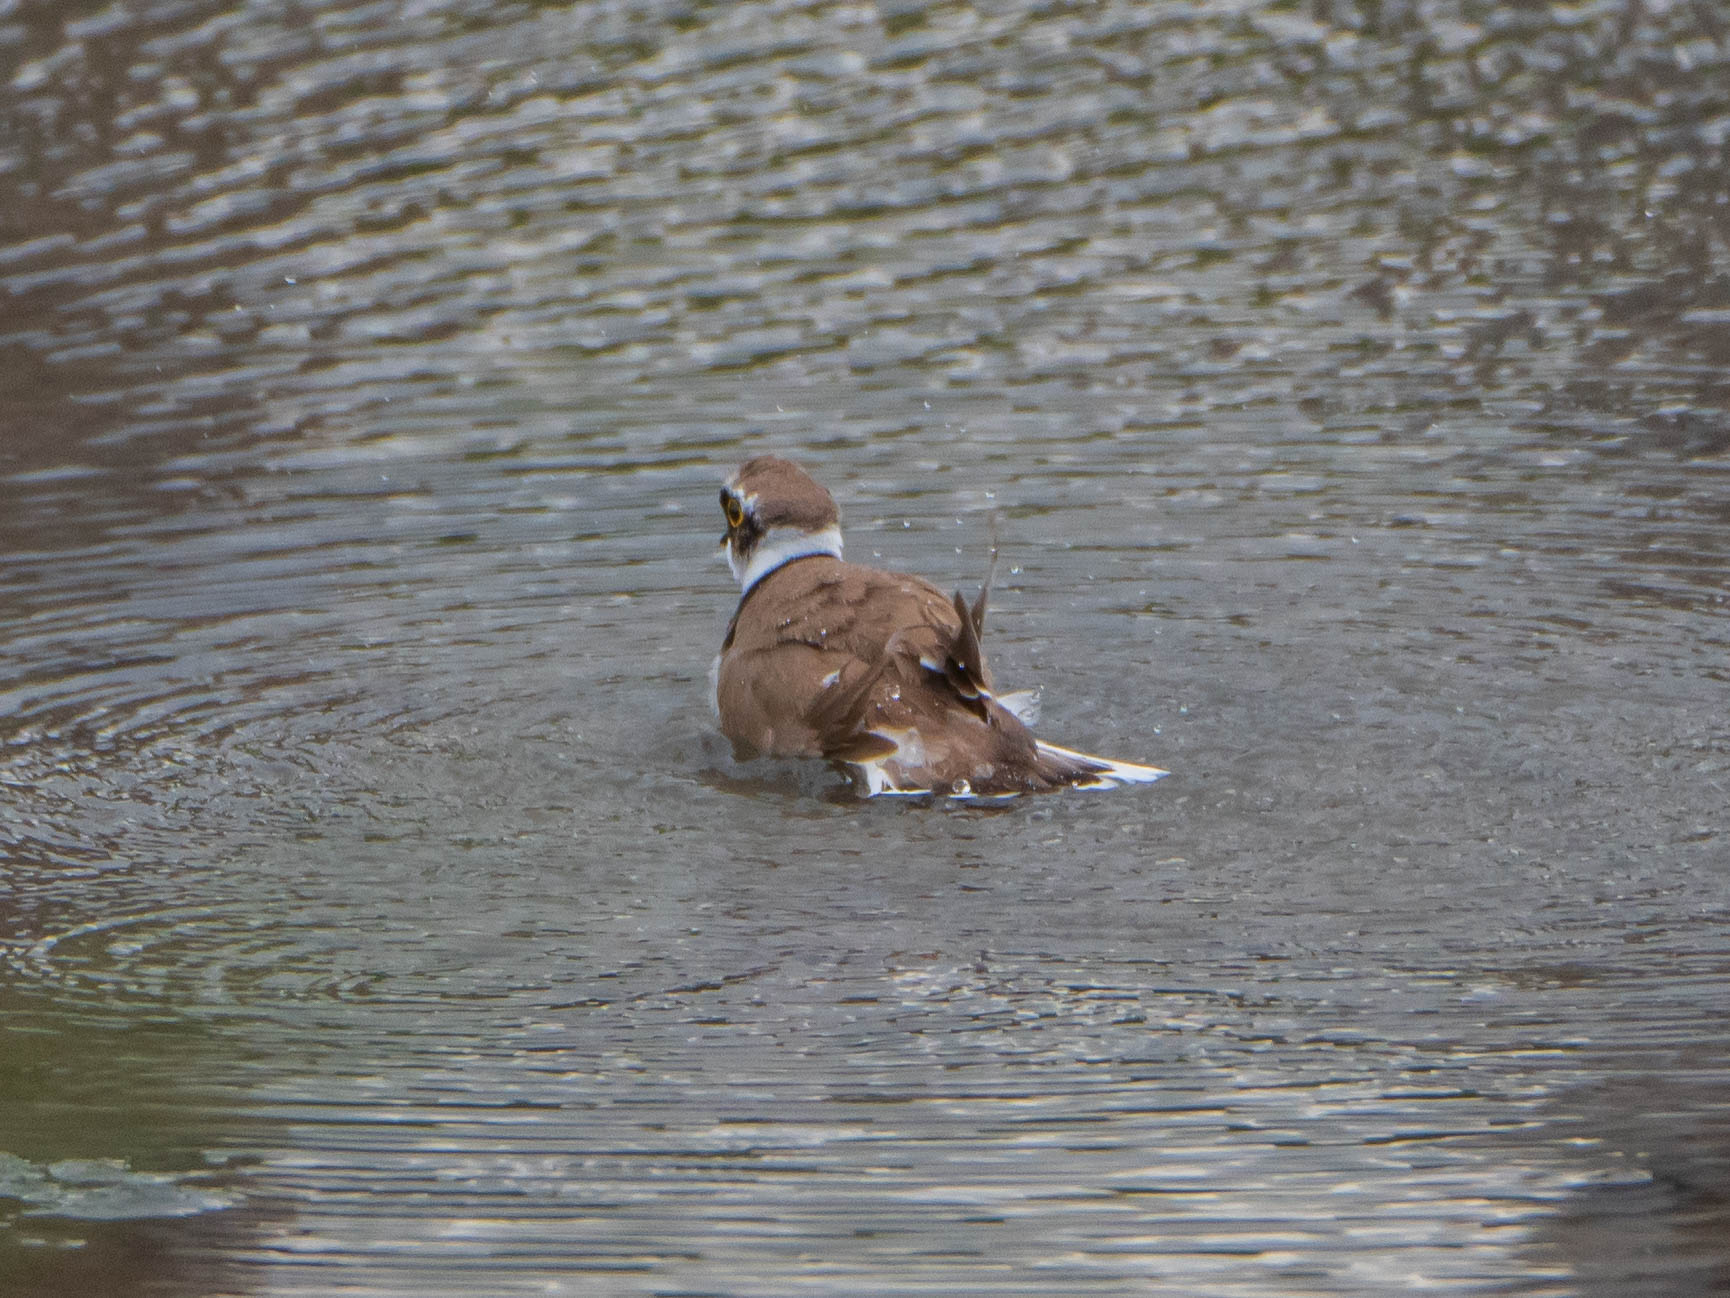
pixel 376 901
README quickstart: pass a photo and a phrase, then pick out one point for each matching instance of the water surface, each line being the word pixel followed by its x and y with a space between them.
pixel 378 908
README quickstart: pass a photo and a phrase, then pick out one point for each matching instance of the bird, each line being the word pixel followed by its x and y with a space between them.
pixel 879 673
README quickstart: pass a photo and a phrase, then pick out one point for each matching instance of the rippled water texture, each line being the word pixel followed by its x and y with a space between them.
pixel 379 911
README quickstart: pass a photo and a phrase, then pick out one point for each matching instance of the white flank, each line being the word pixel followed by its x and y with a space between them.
pixel 1023 705
pixel 1111 775
pixel 879 779
pixel 782 545
pixel 877 784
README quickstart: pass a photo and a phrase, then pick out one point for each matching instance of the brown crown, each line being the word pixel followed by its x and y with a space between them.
pixel 785 495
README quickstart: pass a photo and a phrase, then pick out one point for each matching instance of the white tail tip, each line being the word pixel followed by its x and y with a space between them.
pixel 1111 774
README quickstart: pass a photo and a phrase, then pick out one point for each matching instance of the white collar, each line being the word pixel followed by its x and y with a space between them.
pixel 782 545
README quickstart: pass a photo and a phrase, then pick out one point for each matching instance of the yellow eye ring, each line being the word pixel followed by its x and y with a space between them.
pixel 735 511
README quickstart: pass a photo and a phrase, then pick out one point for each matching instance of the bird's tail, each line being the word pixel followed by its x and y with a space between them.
pixel 1085 771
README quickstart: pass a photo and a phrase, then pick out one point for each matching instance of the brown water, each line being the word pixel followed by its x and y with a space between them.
pixel 379 912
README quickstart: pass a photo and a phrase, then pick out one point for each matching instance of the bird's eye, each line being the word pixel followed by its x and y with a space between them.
pixel 735 511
